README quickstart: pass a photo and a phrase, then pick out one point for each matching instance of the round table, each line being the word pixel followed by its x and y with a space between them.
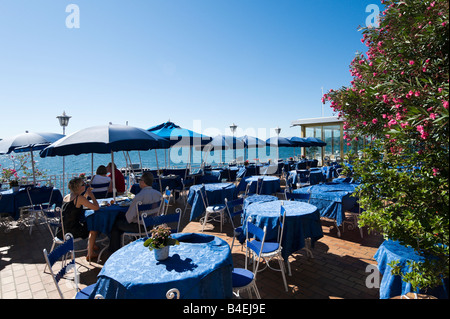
pixel 216 194
pixel 392 286
pixel 332 199
pixel 258 199
pixel 270 185
pixel 200 267
pixel 302 221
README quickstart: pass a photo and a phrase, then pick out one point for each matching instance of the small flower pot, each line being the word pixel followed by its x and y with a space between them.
pixel 162 254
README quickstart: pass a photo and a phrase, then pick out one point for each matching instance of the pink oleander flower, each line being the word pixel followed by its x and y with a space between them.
pixel 433 116
pixel 375 121
pixel 435 171
pixel 445 104
pixel 392 122
pixel 411 62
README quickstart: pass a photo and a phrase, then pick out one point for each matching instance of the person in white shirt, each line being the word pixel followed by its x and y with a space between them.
pixel 98 179
pixel 129 221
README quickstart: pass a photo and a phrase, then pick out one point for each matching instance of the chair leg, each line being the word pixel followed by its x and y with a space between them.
pixel 289 267
pixel 255 288
pixel 280 261
pixel 204 221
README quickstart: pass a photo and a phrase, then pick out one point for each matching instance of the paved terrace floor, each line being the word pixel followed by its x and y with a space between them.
pixel 337 271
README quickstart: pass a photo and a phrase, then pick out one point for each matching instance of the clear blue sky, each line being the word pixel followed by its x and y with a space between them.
pixel 257 63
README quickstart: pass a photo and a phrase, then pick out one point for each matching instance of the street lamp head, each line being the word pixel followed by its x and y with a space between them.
pixel 63 119
pixel 233 127
pixel 278 130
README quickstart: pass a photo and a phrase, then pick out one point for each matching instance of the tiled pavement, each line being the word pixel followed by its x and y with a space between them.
pixel 337 271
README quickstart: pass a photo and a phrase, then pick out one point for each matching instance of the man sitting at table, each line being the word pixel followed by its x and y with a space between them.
pixel 129 222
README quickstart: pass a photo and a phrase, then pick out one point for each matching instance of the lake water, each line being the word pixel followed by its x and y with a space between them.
pixel 178 158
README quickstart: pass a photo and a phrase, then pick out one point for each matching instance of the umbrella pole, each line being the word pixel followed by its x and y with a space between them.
pixel 159 175
pixel 113 173
pixel 140 161
pixel 32 165
pixel 64 176
pixel 92 166
pixel 165 158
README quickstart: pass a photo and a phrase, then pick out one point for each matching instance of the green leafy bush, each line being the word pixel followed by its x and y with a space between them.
pixel 398 101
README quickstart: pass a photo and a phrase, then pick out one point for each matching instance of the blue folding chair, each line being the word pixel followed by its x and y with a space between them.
pixel 212 213
pixel 271 249
pixel 100 194
pixel 65 253
pixel 244 279
pixel 153 221
pixel 232 213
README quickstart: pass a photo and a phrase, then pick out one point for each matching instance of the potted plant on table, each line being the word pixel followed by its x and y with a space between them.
pixel 160 241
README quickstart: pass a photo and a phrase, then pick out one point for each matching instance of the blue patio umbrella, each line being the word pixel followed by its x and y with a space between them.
pixel 314 141
pixel 299 141
pixel 223 142
pixel 252 142
pixel 105 139
pixel 180 136
pixel 28 142
pixel 279 142
pixel 176 134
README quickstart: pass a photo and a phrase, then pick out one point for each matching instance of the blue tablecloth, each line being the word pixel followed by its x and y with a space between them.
pixel 200 267
pixel 103 219
pixel 12 201
pixel 216 194
pixel 270 185
pixel 392 286
pixel 302 221
pixel 258 199
pixel 332 199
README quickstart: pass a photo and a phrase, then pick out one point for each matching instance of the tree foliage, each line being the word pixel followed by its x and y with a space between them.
pixel 398 100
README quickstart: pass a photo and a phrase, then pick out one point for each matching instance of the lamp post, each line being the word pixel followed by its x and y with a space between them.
pixel 278 130
pixel 233 128
pixel 64 121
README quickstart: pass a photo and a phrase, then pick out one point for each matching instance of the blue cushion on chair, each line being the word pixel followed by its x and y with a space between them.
pixel 85 293
pixel 216 208
pixel 241 277
pixel 268 246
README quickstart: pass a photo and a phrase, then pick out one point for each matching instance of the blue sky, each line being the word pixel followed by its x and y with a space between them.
pixel 203 64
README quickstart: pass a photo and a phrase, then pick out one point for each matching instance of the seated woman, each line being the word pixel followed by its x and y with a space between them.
pixel 100 179
pixel 73 211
